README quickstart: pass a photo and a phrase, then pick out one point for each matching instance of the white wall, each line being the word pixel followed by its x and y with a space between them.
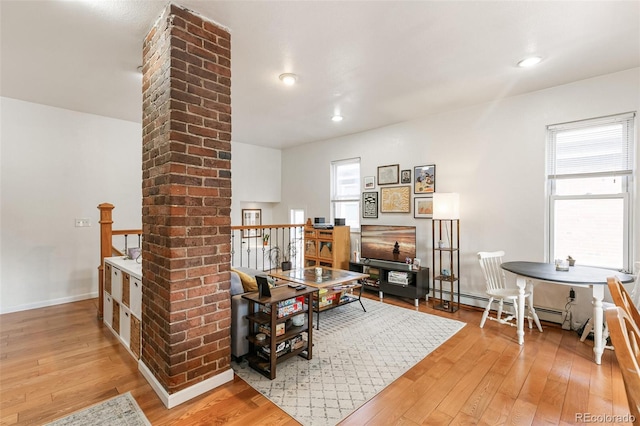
pixel 58 165
pixel 255 180
pixel 492 154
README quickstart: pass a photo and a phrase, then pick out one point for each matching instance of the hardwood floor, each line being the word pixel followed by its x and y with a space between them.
pixel 59 359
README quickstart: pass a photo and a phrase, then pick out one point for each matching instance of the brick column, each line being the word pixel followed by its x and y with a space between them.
pixel 186 180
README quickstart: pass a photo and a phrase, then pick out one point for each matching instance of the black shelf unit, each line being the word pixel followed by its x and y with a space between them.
pixel 446 264
pixel 417 285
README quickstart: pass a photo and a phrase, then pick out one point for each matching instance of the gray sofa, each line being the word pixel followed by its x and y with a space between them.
pixel 239 310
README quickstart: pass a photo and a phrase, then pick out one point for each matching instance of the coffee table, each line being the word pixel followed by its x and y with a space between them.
pixel 336 286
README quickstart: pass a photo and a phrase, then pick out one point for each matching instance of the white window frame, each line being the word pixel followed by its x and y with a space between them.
pixel 351 198
pixel 626 177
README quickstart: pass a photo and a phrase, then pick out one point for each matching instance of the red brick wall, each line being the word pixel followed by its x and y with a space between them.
pixel 186 178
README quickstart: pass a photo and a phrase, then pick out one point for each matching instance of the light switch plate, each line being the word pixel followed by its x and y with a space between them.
pixel 83 223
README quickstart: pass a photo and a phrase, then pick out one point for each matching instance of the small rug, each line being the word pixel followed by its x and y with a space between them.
pixel 122 410
pixel 356 354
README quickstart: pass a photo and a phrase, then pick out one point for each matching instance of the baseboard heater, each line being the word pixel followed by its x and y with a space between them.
pixel 545 314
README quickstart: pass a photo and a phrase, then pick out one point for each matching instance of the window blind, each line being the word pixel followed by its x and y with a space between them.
pixel 600 146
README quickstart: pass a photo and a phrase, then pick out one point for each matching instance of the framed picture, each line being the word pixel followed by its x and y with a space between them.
pixel 424 179
pixel 423 207
pixel 395 199
pixel 251 217
pixel 405 176
pixel 369 205
pixel 388 175
pixel 369 182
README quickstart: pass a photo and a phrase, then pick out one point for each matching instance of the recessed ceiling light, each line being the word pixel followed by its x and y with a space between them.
pixel 529 62
pixel 336 118
pixel 288 78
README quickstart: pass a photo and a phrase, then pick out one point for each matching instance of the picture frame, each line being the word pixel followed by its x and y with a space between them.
pixel 369 182
pixel 370 205
pixel 251 217
pixel 424 179
pixel 395 199
pixel 423 207
pixel 388 175
pixel 405 176
pixel 416 264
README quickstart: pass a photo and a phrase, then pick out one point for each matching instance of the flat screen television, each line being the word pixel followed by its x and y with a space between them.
pixel 393 243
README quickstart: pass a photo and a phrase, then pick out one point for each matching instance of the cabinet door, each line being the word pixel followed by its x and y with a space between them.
pixel 326 250
pixel 126 282
pixel 136 297
pixel 116 283
pixel 107 306
pixel 107 278
pixel 125 325
pixel 310 248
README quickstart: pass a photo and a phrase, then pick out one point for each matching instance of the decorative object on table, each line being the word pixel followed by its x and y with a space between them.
pixel 121 410
pixel 405 176
pixel 424 179
pixel 388 175
pixel 265 239
pixel 251 217
pixel 369 205
pixel 282 257
pixel 395 199
pixel 369 182
pixel 347 337
pixel 446 255
pixel 134 252
pixel 571 260
pixel 562 265
pixel 423 207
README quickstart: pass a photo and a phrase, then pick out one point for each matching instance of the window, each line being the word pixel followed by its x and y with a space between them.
pixel 345 191
pixel 590 181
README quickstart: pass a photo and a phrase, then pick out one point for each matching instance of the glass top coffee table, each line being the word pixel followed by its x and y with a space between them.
pixel 335 286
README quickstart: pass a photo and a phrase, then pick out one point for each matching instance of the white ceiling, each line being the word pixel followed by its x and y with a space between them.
pixel 375 62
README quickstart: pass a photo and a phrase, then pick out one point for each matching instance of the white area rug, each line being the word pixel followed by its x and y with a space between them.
pixel 122 410
pixel 356 354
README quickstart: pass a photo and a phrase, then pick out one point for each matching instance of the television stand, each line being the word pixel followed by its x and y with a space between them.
pixel 397 279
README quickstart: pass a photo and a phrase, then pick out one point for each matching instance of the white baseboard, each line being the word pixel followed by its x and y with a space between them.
pixel 52 302
pixel 174 399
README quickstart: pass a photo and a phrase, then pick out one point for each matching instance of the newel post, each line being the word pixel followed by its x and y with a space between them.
pixel 106 222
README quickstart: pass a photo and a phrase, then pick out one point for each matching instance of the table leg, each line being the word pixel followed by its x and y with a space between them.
pixel 532 309
pixel 598 341
pixel 522 283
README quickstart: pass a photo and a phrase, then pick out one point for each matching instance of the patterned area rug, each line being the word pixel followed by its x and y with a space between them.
pixel 356 354
pixel 122 410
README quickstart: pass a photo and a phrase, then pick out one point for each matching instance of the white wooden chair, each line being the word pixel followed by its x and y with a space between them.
pixel 625 336
pixel 635 295
pixel 498 291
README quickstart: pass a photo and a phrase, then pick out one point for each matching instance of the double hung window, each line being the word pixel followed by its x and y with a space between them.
pixel 345 191
pixel 590 187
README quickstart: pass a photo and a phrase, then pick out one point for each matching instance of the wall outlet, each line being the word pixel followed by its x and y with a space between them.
pixel 83 223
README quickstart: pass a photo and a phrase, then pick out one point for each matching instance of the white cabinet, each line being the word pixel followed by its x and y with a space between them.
pixel 123 301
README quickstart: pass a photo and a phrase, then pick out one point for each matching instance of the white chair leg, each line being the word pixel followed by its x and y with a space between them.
pixel 486 312
pixel 587 329
pixel 532 310
pixel 499 315
pixel 515 311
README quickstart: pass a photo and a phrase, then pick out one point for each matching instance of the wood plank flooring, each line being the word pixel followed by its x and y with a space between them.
pixel 59 359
